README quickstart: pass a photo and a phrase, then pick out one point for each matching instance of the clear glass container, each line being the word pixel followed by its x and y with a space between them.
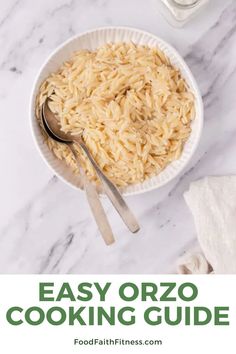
pixel 178 12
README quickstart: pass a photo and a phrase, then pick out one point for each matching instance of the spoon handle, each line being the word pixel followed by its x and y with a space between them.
pixel 112 192
pixel 95 205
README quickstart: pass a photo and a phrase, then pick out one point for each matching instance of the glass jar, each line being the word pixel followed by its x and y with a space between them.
pixel 178 12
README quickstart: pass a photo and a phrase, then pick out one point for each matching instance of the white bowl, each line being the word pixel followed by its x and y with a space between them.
pixel 91 40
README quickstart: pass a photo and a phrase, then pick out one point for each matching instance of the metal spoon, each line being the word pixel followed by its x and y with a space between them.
pixel 109 188
pixel 91 192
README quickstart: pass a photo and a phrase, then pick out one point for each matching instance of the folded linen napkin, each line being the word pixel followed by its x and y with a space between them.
pixel 212 201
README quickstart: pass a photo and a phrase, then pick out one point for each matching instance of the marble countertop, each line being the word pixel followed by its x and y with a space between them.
pixel 46 226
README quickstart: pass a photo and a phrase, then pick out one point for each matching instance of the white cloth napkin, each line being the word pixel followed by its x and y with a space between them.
pixel 212 201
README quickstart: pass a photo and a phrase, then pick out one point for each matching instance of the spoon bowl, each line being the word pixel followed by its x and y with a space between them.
pixel 51 123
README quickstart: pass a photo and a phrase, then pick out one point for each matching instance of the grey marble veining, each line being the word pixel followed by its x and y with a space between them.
pixel 45 226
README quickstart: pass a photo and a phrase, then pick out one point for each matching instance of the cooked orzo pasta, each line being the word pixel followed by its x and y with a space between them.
pixel 131 105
